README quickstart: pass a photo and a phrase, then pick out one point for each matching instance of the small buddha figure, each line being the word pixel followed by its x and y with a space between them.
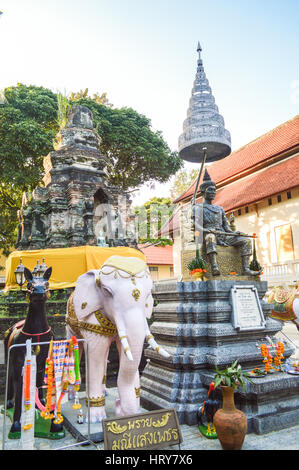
pixel 211 219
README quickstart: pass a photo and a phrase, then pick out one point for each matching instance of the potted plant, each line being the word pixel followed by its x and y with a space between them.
pixel 255 265
pixel 197 267
pixel 230 423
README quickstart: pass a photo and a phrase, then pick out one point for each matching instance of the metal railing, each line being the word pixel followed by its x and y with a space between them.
pixel 281 273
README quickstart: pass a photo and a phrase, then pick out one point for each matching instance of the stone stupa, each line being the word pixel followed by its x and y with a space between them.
pixel 76 198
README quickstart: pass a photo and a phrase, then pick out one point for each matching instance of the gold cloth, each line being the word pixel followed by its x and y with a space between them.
pixel 67 263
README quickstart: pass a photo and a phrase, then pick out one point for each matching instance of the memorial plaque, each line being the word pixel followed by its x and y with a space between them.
pixel 247 312
pixel 150 430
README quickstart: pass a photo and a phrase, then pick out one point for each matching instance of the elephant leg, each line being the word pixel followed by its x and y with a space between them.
pixel 104 389
pixel 98 348
pixel 137 388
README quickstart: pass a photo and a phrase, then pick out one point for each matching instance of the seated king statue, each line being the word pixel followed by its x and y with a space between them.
pixel 211 221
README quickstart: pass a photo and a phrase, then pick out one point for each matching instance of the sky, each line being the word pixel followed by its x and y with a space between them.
pixel 143 55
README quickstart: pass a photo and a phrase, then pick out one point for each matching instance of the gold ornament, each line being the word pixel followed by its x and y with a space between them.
pixel 136 294
pixel 105 327
pixel 116 428
pixel 99 401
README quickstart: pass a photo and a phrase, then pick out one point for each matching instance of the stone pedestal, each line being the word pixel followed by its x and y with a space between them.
pixel 193 321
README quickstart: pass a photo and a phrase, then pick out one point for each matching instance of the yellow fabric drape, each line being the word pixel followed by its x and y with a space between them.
pixel 67 263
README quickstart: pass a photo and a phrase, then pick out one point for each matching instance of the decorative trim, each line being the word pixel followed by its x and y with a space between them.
pixel 95 402
pixel 105 327
pixel 137 392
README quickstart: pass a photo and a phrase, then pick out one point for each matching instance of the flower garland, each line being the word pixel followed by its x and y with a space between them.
pixel 268 357
pixel 198 270
pixel 279 355
pixel 76 405
pixel 49 380
pixel 59 373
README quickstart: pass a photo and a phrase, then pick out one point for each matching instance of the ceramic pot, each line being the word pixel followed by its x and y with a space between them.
pixel 230 423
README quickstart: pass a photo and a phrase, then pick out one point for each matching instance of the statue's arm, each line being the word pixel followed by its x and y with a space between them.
pixel 225 224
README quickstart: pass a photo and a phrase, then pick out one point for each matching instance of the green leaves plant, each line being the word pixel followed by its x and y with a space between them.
pixel 232 376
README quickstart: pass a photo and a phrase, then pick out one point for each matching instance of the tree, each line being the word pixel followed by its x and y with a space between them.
pixel 136 154
pixel 29 122
pixel 150 219
pixel 82 94
pixel 182 181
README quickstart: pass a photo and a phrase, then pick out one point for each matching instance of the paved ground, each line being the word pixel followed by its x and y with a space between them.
pixel 287 439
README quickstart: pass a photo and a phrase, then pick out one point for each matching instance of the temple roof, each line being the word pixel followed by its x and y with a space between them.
pixel 156 255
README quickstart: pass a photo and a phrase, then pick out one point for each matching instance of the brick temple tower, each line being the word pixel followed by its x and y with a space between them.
pixel 76 206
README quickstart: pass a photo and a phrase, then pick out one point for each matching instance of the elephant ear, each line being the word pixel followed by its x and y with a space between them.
pixel 87 296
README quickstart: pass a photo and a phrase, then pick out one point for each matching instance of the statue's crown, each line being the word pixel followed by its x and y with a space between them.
pixel 207 181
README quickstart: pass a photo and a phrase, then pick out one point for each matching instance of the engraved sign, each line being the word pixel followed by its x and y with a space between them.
pixel 247 312
pixel 143 431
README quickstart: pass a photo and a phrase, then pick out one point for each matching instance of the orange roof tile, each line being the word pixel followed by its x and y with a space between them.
pixel 158 254
pixel 275 142
pixel 268 182
pixel 272 180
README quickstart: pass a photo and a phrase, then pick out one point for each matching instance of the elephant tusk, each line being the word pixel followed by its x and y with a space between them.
pixel 125 345
pixel 154 345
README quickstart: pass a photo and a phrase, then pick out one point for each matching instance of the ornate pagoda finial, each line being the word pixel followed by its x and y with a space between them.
pixel 203 129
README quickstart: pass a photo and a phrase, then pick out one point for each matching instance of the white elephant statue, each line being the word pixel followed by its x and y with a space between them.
pixel 113 304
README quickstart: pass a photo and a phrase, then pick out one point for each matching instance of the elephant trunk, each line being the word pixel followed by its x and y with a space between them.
pixel 153 344
pixel 128 375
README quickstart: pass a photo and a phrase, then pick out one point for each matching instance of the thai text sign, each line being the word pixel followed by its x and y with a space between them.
pixel 143 431
pixel 246 309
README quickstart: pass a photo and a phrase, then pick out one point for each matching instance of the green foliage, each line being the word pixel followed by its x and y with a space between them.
pixel 197 263
pixel 28 125
pixel 82 94
pixel 151 217
pixel 29 122
pixel 232 376
pixel 135 153
pixel 63 108
pixel 255 265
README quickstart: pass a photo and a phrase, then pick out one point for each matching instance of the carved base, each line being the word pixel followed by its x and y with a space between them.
pixel 229 261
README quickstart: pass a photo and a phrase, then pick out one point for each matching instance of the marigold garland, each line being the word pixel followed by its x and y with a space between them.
pixel 65 375
pixel 268 358
pixel 49 380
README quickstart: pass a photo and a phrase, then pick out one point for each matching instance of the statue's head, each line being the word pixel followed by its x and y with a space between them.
pixel 208 187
